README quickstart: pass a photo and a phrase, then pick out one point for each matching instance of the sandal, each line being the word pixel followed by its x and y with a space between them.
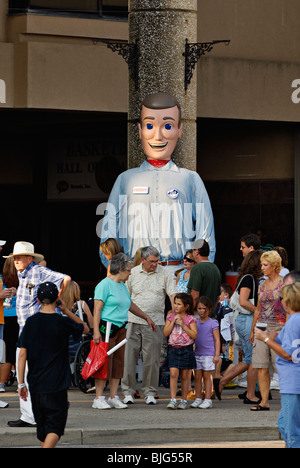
pixel 216 388
pixel 259 408
pixel 251 402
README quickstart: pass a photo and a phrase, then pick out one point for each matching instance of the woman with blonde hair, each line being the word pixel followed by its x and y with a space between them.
pixel 71 297
pixel 110 248
pixel 269 311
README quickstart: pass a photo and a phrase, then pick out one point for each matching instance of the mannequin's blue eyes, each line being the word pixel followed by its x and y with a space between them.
pixel 150 126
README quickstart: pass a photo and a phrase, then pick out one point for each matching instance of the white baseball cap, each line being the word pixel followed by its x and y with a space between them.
pixel 2 243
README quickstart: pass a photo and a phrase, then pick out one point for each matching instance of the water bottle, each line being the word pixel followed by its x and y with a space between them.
pixel 226 301
pixel 7 303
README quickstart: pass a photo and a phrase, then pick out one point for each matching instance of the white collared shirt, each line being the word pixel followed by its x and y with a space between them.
pixel 167 208
pixel 148 291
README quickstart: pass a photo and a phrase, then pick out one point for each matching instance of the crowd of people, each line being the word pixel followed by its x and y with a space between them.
pixel 183 305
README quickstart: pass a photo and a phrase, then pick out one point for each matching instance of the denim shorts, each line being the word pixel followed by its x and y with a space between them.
pixel 289 420
pixel 243 325
pixel 182 358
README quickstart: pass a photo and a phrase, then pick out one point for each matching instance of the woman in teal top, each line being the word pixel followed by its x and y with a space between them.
pixel 112 302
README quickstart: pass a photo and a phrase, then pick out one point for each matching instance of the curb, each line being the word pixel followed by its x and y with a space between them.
pixel 104 438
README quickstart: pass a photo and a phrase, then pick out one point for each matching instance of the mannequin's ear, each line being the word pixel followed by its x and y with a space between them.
pixel 180 130
pixel 140 130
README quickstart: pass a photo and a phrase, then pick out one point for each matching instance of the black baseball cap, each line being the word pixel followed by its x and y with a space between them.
pixel 47 293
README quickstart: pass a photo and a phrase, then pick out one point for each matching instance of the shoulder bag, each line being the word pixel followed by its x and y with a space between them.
pixel 234 303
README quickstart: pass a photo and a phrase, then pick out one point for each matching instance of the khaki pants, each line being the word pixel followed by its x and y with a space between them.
pixel 142 338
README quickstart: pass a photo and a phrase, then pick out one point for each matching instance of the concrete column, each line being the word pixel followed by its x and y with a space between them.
pixel 160 28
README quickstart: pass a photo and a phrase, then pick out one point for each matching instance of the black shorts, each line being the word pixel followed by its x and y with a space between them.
pixel 50 412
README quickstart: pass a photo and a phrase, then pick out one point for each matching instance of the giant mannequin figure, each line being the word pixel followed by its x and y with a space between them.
pixel 159 203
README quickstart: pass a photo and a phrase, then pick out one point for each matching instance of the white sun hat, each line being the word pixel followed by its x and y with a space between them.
pixel 26 248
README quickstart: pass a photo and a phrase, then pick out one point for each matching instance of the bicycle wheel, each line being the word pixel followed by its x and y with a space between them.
pixel 80 358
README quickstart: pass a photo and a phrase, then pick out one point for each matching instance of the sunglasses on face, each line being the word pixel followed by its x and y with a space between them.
pixel 190 260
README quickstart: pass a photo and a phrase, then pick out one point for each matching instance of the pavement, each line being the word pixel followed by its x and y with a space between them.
pixel 141 425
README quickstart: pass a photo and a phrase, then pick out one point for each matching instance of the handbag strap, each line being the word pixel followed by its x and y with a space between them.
pixel 248 274
pixel 80 311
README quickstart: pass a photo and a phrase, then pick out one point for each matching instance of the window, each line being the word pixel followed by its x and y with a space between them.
pixel 102 8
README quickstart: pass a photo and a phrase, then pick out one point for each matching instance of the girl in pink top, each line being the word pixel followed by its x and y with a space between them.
pixel 181 327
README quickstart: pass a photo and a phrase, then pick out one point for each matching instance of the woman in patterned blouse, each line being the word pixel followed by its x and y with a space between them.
pixel 271 312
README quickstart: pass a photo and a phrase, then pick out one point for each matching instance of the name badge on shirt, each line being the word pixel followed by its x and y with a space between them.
pixel 173 193
pixel 141 190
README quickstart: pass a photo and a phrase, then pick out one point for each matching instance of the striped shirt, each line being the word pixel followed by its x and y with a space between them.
pixel 29 281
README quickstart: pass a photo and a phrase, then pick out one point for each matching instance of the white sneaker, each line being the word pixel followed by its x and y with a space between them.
pixel 197 403
pixel 128 399
pixel 183 404
pixel 172 404
pixel 100 403
pixel 2 388
pixel 150 400
pixel 116 403
pixel 206 404
pixel 3 404
pixel 243 383
pixel 274 384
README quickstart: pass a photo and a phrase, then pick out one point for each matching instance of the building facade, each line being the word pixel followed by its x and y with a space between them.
pixel 63 114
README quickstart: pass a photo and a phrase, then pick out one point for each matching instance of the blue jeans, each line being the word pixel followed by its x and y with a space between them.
pixel 243 325
pixel 289 420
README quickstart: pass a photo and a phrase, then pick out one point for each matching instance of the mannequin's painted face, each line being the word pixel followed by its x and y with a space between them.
pixel 159 131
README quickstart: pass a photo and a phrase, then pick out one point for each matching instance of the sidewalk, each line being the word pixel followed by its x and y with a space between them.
pixel 228 420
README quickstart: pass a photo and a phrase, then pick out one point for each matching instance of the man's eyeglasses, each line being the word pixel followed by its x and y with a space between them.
pixel 152 262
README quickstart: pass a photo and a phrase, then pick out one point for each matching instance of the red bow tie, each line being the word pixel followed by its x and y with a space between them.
pixel 157 162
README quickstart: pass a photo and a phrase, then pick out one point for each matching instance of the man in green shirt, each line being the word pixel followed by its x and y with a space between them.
pixel 205 277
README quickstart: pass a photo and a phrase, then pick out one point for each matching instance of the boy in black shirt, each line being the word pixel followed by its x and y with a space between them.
pixel 44 344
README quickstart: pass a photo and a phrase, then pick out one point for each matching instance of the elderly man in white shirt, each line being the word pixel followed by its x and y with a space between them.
pixel 148 286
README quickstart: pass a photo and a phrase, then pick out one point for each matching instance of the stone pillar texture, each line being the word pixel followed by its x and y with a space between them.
pixel 160 29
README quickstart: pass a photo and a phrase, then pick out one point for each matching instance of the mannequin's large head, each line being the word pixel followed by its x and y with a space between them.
pixel 160 125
